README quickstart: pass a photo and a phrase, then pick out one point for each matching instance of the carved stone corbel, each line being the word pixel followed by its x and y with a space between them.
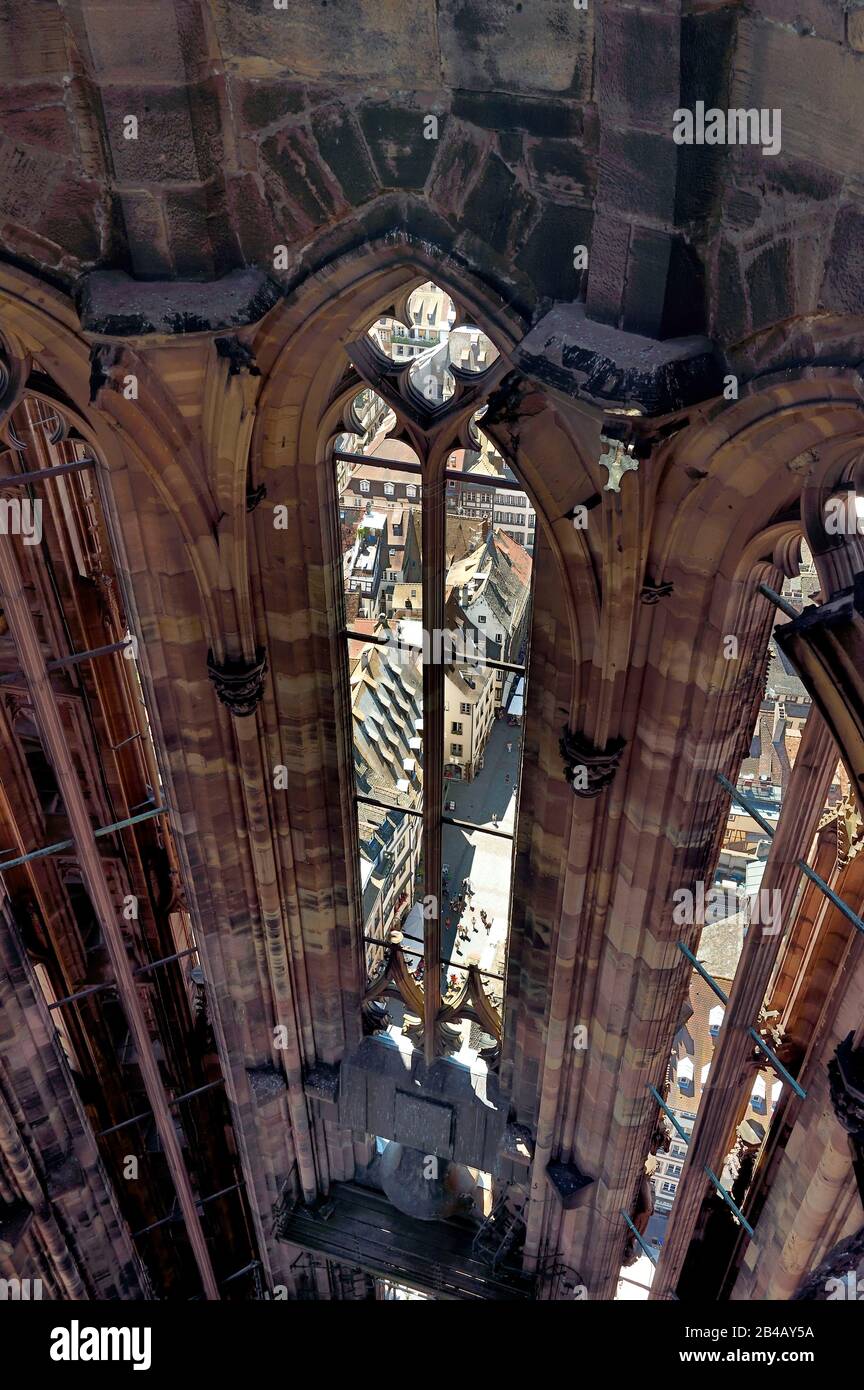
pixel 652 593
pixel 589 770
pixel 239 356
pixel 239 684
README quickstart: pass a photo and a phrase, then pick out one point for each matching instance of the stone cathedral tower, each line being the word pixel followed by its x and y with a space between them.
pixel 432 438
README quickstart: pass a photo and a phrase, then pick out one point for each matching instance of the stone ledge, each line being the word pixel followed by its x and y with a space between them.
pixel 112 304
pixel 603 366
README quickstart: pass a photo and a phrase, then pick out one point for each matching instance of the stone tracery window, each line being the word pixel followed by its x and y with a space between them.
pixel 436 620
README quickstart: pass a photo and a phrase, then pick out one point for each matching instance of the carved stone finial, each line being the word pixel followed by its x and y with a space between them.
pixel 239 684
pixel 589 770
pixel 617 460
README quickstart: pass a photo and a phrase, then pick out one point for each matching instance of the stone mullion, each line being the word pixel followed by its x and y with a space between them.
pixel 215 867
pixel 719 1107
pixel 581 980
pixel 433 521
pixel 286 1000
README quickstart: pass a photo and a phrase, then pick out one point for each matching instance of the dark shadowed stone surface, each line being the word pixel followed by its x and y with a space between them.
pixel 844 276
pixel 768 283
pixel 845 1258
pixel 402 154
pixel 341 144
pixel 546 255
pixel 497 111
pixel 293 158
pixel 638 80
pixel 111 303
pixel 268 101
pixel 731 319
pixel 639 173
pixel 457 165
pixel 602 365
pixel 561 170
pixel 498 208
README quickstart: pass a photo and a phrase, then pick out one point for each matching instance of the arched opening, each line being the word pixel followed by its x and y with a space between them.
pixel 435 947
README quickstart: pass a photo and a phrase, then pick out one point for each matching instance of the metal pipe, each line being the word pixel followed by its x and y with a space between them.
pixel 847 911
pixel 382 806
pixel 748 805
pixel 474 660
pixel 664 1107
pixel 777 1064
pixel 21 479
pixel 779 601
pixel 481 829
pixel 646 1249
pixel 172 1100
pixel 81 994
pixel 73 660
pixel 831 895
pixel 70 844
pixel 164 960
pixel 202 1202
pixel 729 1202
pixel 699 967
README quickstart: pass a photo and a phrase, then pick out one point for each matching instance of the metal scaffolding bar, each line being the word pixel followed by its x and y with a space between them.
pixel 176 1216
pixel 802 864
pixel 748 805
pixel 124 1124
pixel 21 479
pixel 682 1134
pixel 73 660
pixel 646 1249
pixel 729 1202
pixel 172 1100
pixel 699 967
pixel 779 601
pixel 777 1064
pixel 70 844
pixel 109 984
pixel 399 465
pixel 775 1061
pixel 82 993
pixel 165 960
pixel 831 895
pixel 384 806
pixel 480 829
pixel 474 660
